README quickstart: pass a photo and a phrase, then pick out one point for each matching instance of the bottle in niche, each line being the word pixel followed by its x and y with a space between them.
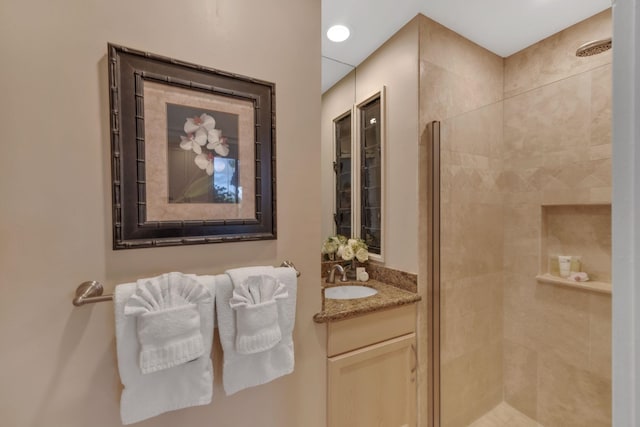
pixel 576 264
pixel 554 267
pixel 564 261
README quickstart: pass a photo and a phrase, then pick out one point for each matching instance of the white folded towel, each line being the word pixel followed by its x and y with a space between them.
pixel 168 320
pixel 188 384
pixel 254 301
pixel 240 371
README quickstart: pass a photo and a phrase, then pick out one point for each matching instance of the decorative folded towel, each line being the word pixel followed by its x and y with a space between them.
pixel 254 301
pixel 579 276
pixel 240 371
pixel 189 384
pixel 168 320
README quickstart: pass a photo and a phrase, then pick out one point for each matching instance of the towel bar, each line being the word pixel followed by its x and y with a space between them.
pixel 90 292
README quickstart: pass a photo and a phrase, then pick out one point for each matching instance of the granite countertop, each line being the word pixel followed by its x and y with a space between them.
pixel 387 296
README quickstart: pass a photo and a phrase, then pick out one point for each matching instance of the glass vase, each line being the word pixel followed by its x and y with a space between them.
pixel 351 271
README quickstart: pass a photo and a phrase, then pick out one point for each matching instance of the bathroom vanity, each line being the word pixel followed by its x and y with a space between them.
pixel 371 358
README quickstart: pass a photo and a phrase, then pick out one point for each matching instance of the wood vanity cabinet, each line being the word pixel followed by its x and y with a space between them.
pixel 372 369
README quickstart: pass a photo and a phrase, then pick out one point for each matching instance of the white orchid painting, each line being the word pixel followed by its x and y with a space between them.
pixel 203 155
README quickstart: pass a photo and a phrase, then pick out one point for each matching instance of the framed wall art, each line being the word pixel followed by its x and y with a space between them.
pixel 193 153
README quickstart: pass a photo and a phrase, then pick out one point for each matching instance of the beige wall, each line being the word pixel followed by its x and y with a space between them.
pixel 58 362
pixel 395 66
pixel 461 86
pixel 557 150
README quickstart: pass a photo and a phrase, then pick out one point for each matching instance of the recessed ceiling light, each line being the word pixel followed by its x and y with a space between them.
pixel 338 33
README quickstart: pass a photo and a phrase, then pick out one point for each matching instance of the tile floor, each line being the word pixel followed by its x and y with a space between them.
pixel 504 415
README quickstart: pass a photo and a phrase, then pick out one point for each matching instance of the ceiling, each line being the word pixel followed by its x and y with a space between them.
pixel 501 26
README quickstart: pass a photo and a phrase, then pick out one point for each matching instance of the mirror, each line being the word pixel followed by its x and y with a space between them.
pixel 336 126
pixel 353 139
pixel 369 143
pixel 384 190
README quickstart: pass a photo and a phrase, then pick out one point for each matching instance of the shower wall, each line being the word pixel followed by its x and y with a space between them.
pixel 518 134
pixel 557 151
pixel 461 85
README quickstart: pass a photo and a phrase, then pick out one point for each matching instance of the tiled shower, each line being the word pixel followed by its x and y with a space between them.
pixel 525 171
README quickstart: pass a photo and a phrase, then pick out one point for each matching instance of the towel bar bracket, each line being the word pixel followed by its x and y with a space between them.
pixel 91 291
pixel 287 263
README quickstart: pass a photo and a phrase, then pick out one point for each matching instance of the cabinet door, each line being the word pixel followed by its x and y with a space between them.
pixel 374 386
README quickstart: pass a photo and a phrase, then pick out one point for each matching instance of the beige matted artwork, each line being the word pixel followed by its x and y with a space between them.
pixel 192 153
pixel 199 155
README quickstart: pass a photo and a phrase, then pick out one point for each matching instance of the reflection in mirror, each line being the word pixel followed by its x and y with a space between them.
pixel 338 129
pixel 342 169
pixel 352 128
pixel 358 168
pixel 371 174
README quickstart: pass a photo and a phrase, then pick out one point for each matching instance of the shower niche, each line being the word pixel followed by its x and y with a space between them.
pixel 583 232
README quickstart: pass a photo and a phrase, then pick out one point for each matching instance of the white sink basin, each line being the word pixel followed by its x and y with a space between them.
pixel 349 292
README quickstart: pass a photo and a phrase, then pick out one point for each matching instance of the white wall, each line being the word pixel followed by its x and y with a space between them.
pixel 626 211
pixel 395 66
pixel 58 362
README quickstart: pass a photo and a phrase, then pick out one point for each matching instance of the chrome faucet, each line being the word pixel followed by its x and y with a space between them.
pixel 331 278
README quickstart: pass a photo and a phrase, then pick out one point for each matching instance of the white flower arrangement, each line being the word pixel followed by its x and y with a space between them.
pixel 201 132
pixel 344 248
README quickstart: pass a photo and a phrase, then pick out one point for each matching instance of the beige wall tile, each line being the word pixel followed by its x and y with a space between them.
pixel 451 51
pixel 554 58
pixel 521 314
pixel 547 318
pixel 471 315
pixel 445 94
pixel 566 196
pixel 477 132
pixel 456 75
pixel 474 293
pixel 462 334
pixel 467 230
pixel 521 255
pixel 521 378
pixel 534 197
pixel 471 385
pixel 522 221
pixel 598 152
pixel 548 126
pixel 562 328
pixel 600 195
pixel 601 105
pixel 457 159
pixel 570 396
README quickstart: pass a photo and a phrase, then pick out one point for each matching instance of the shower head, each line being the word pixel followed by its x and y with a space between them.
pixel 594 47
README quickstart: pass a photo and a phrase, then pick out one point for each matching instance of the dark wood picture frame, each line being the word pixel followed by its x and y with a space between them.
pixel 129 71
